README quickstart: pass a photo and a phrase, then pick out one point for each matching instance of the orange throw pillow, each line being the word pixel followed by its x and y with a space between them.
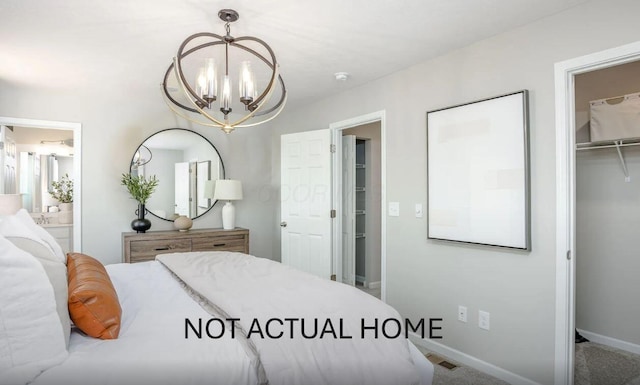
pixel 93 302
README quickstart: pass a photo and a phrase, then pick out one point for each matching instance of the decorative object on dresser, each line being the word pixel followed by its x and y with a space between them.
pixel 184 161
pixel 228 190
pixel 145 247
pixel 140 189
pixel 182 223
pixel 62 191
pixel 10 203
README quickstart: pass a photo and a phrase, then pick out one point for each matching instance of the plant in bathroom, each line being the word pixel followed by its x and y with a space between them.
pixel 62 190
pixel 139 187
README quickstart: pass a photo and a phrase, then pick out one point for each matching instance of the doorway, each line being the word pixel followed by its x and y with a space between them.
pixel 74 169
pixel 360 216
pixel 368 235
pixel 565 73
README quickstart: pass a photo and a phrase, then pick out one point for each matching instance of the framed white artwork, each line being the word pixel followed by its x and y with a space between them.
pixel 478 172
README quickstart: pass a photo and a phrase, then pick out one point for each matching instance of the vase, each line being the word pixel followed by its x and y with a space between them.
pixel 182 223
pixel 65 215
pixel 141 225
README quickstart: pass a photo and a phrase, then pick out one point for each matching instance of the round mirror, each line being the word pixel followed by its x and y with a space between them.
pixel 186 165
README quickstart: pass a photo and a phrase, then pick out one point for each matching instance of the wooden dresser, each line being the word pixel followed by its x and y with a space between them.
pixel 140 247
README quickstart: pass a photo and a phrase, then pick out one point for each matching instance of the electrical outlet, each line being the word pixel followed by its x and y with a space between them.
pixel 462 313
pixel 418 210
pixel 483 320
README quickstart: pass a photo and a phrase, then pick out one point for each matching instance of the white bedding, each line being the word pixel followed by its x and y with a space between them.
pixel 259 293
pixel 152 348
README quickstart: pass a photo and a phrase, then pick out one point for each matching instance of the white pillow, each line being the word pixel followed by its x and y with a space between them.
pixel 25 218
pixel 31 338
pixel 24 227
pixel 16 231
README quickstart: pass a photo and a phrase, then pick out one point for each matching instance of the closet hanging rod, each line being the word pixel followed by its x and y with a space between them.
pixel 593 147
pixel 616 97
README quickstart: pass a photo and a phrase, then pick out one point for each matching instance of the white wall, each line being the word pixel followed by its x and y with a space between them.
pixel 607 218
pixel 430 278
pixel 114 122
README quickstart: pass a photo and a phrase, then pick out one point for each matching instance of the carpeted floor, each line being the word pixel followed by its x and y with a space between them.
pixel 597 364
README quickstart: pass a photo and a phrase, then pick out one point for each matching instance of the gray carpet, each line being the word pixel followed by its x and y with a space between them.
pixel 597 364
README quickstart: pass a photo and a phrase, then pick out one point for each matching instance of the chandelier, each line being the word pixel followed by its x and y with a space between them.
pixel 198 84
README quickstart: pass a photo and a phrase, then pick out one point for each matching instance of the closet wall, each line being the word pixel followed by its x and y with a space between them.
pixel 607 218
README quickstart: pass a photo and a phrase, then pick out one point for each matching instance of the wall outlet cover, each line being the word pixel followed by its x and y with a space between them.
pixel 483 320
pixel 462 313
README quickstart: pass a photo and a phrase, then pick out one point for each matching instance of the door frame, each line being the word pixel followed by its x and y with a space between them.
pixel 336 132
pixel 77 165
pixel 566 196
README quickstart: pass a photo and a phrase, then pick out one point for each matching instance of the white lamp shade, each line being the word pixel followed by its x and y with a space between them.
pixel 228 190
pixel 10 203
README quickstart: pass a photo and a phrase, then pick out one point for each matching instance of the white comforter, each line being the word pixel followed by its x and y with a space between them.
pixel 151 348
pixel 255 290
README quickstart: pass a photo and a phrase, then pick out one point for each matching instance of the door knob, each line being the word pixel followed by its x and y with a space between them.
pixel 283 224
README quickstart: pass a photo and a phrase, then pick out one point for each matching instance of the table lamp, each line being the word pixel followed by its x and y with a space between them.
pixel 228 190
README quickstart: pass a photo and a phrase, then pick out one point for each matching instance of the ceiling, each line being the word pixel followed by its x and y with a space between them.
pixel 71 44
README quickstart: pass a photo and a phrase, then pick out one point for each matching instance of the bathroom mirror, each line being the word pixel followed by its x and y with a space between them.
pixel 186 165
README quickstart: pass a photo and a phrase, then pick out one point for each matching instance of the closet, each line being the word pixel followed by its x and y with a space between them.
pixel 607 115
pixel 360 211
pixel 362 207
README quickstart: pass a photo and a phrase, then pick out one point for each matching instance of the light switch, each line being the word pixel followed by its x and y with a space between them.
pixel 394 209
pixel 418 210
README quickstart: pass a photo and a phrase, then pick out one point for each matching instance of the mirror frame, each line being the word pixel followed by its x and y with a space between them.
pixel 190 131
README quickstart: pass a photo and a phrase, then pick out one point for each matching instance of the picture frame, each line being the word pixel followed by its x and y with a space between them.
pixel 478 172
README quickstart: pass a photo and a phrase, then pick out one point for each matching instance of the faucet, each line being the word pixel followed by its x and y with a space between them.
pixel 42 220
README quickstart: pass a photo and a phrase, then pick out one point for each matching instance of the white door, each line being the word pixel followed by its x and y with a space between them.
pixel 305 198
pixel 182 188
pixel 348 209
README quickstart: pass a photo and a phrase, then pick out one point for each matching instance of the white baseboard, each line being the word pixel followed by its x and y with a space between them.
pixel 613 342
pixel 362 279
pixel 374 285
pixel 471 361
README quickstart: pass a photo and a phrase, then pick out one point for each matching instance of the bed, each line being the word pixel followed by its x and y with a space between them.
pixel 197 318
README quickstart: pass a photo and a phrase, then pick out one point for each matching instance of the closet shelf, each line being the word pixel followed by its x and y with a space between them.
pixel 617 144
pixel 608 144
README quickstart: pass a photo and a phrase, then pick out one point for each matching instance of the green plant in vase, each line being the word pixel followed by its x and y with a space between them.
pixel 140 189
pixel 62 191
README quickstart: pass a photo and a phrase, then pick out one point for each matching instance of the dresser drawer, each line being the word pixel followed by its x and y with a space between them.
pixel 146 250
pixel 220 243
pixel 140 247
